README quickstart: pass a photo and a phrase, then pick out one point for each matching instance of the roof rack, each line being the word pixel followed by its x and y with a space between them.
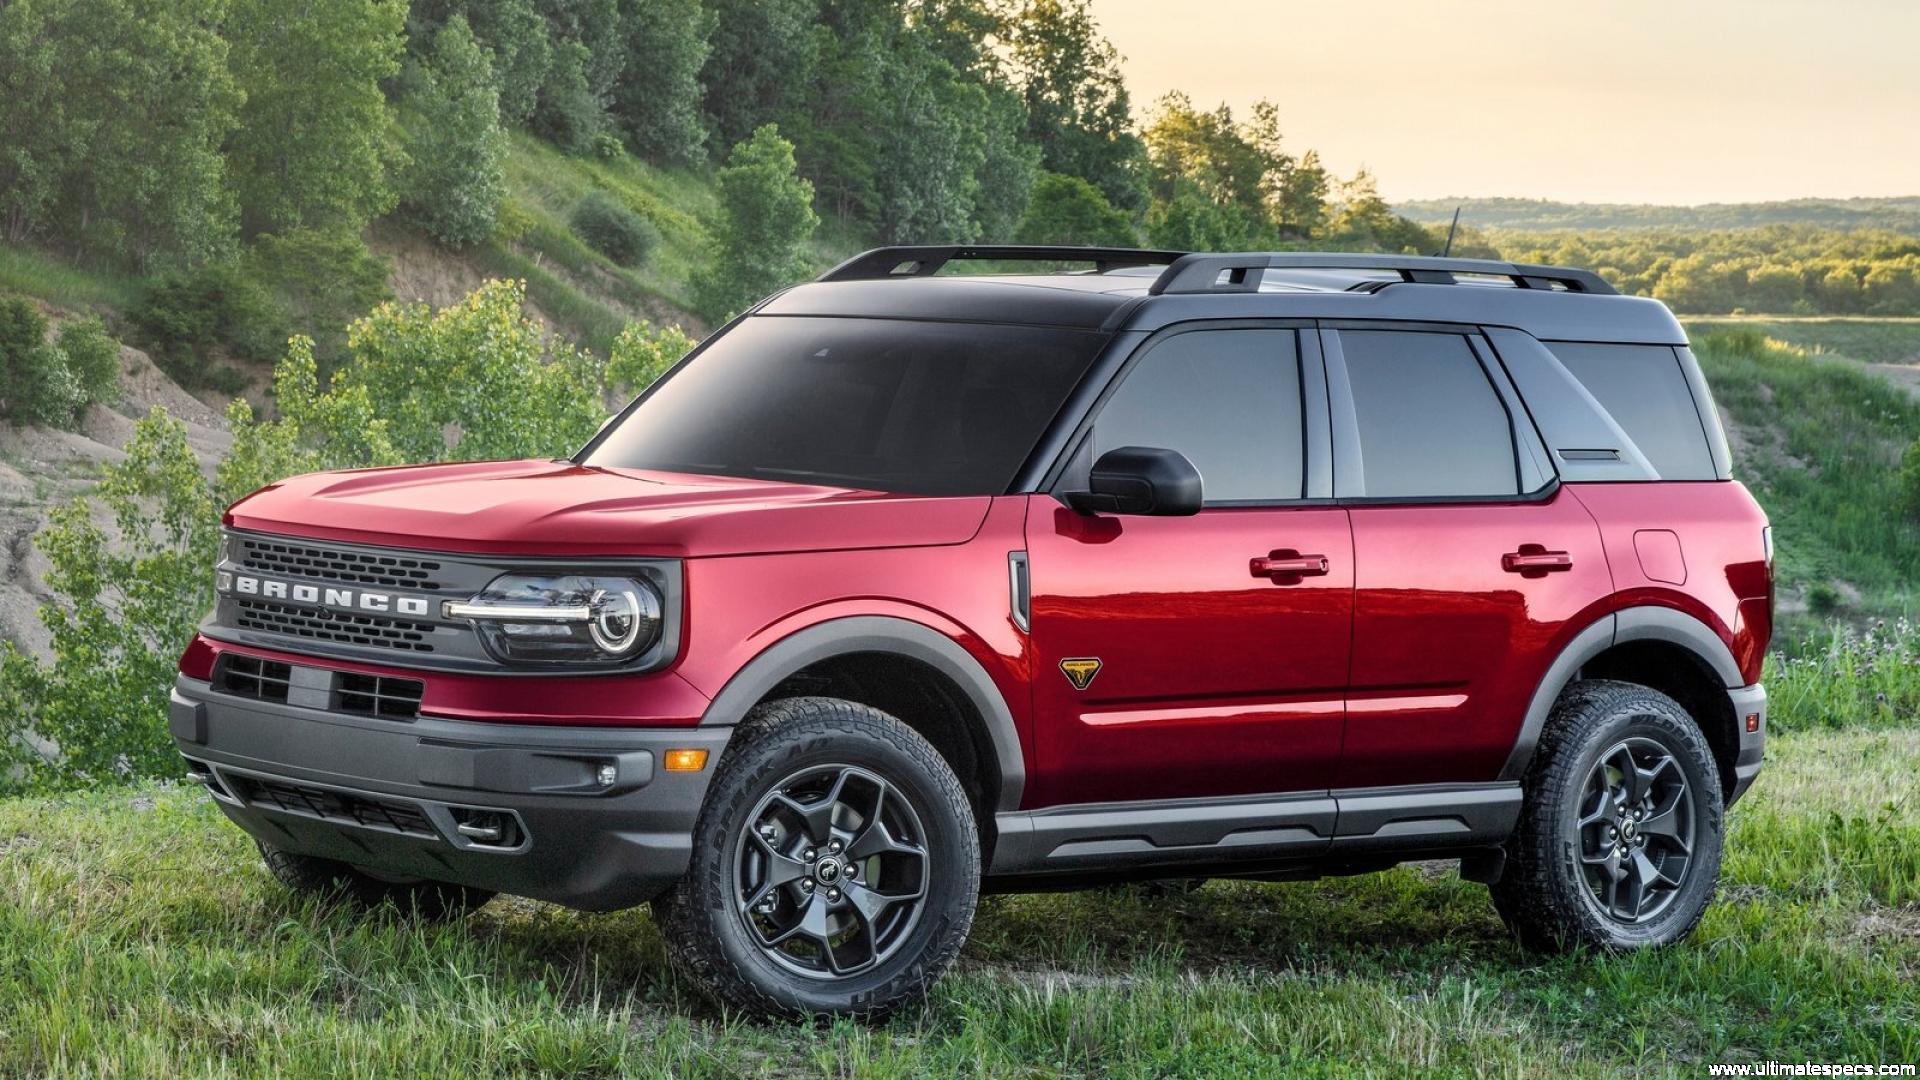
pixel 1199 273
pixel 926 260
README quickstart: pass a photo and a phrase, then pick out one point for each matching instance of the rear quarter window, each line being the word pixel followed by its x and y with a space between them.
pixel 1645 389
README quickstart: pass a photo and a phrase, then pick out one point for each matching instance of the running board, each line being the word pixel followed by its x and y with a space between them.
pixel 1097 836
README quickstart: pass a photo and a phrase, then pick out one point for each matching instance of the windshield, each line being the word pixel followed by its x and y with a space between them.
pixel 921 408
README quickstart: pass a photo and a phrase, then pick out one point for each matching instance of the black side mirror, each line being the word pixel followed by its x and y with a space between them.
pixel 1140 480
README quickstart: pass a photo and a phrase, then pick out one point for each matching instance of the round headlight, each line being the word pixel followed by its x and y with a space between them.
pixel 620 615
pixel 567 619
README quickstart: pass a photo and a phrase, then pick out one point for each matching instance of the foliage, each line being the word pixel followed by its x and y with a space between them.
pixel 1844 677
pixel 1898 214
pixel 22 330
pixel 186 314
pixel 1777 269
pixel 130 594
pixel 760 63
pixel 513 30
pixel 93 357
pixel 657 100
pixel 312 145
pixel 319 280
pixel 455 184
pixel 1078 110
pixel 570 114
pixel 113 147
pixel 1068 210
pixel 759 239
pixel 613 228
pixel 642 353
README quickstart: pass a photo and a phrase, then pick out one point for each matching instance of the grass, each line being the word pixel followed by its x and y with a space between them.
pixel 139 936
pixel 1819 442
pixel 1872 340
pixel 29 272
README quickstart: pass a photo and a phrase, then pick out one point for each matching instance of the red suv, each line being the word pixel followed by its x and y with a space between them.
pixel 909 584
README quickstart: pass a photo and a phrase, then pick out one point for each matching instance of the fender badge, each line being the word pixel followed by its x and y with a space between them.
pixel 1081 670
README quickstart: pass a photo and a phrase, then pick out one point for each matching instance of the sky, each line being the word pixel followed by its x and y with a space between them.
pixel 1641 101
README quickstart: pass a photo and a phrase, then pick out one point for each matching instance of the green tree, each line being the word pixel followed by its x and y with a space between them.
pixel 569 113
pixel 760 63
pixel 147 103
pixel 760 235
pixel 1010 169
pixel 1068 210
pixel 38 139
pixel 458 149
pixel 93 358
pixel 657 101
pixel 313 143
pixel 36 384
pixel 1079 112
pixel 513 30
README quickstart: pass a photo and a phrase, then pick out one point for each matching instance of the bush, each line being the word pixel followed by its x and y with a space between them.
pixel 44 390
pixel 22 331
pixel 93 356
pixel 187 313
pixel 614 229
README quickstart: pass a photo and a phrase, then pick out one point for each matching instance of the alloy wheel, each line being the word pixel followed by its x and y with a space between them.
pixel 1635 833
pixel 831 871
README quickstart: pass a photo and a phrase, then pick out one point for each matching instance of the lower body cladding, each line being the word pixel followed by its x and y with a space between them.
pixel 1251 834
pixel 520 809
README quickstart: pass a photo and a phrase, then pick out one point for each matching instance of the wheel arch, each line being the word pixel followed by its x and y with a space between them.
pixel 1658 647
pixel 874 644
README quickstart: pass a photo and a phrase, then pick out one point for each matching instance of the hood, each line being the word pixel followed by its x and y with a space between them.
pixel 559 508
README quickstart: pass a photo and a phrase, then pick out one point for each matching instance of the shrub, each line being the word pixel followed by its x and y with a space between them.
pixel 93 356
pixel 44 389
pixel 185 314
pixel 642 353
pixel 614 229
pixel 22 331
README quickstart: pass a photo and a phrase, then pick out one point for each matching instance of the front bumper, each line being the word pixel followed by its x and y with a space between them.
pixel 392 795
pixel 1748 702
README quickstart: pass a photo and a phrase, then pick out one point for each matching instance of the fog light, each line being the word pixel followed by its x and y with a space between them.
pixel 686 760
pixel 608 774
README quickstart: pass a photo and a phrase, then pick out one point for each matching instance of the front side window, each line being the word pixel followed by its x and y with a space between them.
pixel 1227 399
pixel 920 408
pixel 1430 423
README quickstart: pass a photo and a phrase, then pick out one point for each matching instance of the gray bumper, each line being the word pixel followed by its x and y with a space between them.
pixel 1748 701
pixel 393 795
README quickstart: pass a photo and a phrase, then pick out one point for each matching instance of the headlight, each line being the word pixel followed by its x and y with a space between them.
pixel 572 619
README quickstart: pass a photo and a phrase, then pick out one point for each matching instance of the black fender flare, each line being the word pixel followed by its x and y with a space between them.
pixel 1644 623
pixel 881 634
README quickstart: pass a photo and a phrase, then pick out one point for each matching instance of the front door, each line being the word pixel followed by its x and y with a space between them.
pixel 1199 656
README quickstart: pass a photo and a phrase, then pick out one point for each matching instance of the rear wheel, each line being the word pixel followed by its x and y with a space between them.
pixel 835 868
pixel 1619 841
pixel 434 900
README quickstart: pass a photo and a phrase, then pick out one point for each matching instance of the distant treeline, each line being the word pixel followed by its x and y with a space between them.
pixel 1779 270
pixel 1895 214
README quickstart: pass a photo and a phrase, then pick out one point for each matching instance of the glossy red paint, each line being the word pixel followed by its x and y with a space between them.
pixel 1212 681
pixel 1717 528
pixel 1448 643
pixel 558 509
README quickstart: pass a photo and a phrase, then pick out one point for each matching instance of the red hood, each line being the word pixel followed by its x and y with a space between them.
pixel 557 508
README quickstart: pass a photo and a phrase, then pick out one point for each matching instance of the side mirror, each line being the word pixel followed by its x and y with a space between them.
pixel 1140 480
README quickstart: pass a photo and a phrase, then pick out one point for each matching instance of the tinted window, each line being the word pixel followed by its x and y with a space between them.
pixel 1645 390
pixel 886 405
pixel 1430 422
pixel 1227 399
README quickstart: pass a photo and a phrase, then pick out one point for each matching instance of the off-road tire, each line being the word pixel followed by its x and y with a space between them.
pixel 1543 894
pixel 431 900
pixel 707 929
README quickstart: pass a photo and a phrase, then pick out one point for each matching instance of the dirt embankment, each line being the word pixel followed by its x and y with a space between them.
pixel 41 468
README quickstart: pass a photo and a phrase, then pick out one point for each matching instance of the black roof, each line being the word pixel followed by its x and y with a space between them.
pixel 1144 290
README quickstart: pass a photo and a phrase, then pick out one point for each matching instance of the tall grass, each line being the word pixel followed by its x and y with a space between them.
pixel 1847 678
pixel 63 284
pixel 1821 443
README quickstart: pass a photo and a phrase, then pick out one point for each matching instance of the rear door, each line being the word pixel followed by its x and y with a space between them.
pixel 1175 656
pixel 1472 568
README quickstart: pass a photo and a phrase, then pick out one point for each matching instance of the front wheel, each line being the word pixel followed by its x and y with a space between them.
pixel 1619 840
pixel 835 868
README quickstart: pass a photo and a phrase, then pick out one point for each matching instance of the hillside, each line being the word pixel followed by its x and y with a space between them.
pixel 1896 214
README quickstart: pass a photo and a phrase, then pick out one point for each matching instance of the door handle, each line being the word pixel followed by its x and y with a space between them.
pixel 1532 560
pixel 1287 564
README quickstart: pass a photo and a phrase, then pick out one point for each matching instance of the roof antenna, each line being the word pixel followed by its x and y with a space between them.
pixel 1448 250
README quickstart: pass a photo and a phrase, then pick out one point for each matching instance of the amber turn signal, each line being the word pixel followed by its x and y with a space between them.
pixel 686 760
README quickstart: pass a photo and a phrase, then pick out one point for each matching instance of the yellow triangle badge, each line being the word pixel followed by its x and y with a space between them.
pixel 1081 670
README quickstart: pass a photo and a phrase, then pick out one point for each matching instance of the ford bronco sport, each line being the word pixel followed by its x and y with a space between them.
pixel 908 584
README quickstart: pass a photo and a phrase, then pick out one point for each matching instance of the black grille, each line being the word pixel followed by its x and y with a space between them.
pixel 250 676
pixel 377 695
pixel 337 564
pixel 341 626
pixel 383 814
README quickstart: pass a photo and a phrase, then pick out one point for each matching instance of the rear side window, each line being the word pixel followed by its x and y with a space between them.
pixel 1645 390
pixel 1227 399
pixel 1430 422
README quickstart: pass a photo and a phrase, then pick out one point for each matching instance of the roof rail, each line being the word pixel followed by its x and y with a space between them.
pixel 926 260
pixel 1204 273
